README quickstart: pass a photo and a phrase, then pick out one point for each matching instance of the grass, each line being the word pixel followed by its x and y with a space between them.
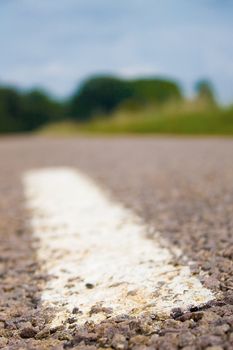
pixel 186 119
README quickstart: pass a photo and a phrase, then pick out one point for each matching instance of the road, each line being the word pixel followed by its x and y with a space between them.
pixel 175 194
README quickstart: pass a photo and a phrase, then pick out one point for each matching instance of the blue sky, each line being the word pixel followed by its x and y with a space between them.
pixel 55 44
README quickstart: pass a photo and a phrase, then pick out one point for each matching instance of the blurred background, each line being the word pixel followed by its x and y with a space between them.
pixel 125 66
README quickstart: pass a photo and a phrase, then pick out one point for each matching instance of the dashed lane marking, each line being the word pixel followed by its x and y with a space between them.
pixel 97 255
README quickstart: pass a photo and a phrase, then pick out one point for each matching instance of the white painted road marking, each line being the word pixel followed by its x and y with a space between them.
pixel 97 254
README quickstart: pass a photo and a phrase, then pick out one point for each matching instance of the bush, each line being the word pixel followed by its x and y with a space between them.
pixel 98 95
pixel 101 95
pixel 205 93
pixel 38 109
pixel 25 112
pixel 155 91
pixel 10 110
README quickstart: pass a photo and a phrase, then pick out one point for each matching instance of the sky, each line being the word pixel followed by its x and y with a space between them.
pixel 56 44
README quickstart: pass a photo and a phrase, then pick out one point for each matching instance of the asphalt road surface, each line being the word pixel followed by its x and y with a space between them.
pixel 175 194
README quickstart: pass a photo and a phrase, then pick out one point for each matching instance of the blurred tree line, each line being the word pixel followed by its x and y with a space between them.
pixel 101 95
pixel 22 112
pixel 27 111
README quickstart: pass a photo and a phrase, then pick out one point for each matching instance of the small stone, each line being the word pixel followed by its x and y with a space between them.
pixel 229 298
pixel 138 340
pixel 71 320
pixel 221 330
pixel 211 283
pixel 43 334
pixel 210 316
pixel 196 316
pixel 3 342
pixel 176 312
pixel 3 318
pixel 186 339
pixel 95 309
pixel 119 342
pixel 170 323
pixel 153 339
pixel 89 285
pixel 76 311
pixel 28 332
pixel 10 325
pixel 64 336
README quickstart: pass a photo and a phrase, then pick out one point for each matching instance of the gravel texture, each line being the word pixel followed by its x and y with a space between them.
pixel 182 187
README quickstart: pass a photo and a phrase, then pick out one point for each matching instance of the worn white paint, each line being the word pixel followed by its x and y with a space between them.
pixel 84 237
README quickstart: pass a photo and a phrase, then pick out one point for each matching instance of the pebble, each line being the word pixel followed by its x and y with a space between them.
pixel 28 332
pixel 119 342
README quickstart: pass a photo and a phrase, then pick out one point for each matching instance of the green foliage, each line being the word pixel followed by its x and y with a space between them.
pixel 98 95
pixel 104 94
pixel 10 110
pixel 155 91
pixel 205 92
pixel 25 112
pixel 38 109
pixel 174 120
pixel 113 105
